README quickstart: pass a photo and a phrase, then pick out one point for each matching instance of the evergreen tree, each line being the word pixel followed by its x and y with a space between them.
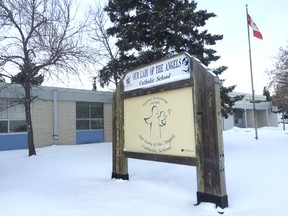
pixel 148 30
pixel 2 78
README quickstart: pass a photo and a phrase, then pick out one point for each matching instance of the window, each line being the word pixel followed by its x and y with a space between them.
pixel 238 118
pixel 17 126
pixel 3 126
pixel 12 118
pixel 89 116
pixel 82 110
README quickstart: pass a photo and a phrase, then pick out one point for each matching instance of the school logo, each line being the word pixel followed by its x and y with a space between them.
pixel 157 137
pixel 186 65
pixel 128 80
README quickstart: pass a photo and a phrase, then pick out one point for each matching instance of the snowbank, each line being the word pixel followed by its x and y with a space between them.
pixel 76 181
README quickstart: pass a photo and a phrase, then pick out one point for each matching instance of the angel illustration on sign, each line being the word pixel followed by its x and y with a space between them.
pixel 156 121
pixel 162 121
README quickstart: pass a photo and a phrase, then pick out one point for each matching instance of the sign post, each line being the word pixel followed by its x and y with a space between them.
pixel 169 111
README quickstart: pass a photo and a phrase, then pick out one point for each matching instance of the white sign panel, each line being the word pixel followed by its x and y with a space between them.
pixel 169 70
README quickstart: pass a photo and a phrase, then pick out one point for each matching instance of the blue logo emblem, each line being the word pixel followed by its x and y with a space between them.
pixel 128 80
pixel 185 64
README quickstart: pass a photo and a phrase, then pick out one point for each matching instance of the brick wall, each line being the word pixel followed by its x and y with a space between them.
pixel 43 125
pixel 42 120
pixel 66 122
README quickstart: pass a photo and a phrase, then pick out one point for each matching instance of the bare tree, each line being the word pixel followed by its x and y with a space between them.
pixel 108 52
pixel 279 82
pixel 38 39
pixel 279 79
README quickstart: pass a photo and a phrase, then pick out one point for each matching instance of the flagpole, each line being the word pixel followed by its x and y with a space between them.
pixel 251 72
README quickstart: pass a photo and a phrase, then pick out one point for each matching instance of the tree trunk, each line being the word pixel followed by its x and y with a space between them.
pixel 31 147
pixel 283 120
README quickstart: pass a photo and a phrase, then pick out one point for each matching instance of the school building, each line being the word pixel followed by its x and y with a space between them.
pixel 59 116
pixel 72 116
pixel 243 114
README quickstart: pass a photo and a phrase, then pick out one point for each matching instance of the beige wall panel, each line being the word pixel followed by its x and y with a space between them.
pixel 273 120
pixel 250 118
pixel 42 119
pixel 108 122
pixel 66 122
pixel 262 118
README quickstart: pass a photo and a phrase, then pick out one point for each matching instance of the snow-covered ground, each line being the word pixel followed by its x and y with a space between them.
pixel 76 181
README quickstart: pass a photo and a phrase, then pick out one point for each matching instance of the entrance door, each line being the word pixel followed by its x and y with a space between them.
pixel 239 120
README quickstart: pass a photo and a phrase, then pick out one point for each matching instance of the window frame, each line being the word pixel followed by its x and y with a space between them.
pixel 91 121
pixel 10 118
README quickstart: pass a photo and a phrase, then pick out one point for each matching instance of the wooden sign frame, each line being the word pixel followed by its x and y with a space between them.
pixel 209 159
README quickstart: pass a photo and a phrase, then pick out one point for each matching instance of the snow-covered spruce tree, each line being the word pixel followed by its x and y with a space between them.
pixel 148 30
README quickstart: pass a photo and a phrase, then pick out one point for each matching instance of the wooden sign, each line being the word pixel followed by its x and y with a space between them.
pixel 169 111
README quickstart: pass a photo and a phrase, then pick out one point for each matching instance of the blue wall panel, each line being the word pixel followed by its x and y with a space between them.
pixel 85 137
pixel 13 141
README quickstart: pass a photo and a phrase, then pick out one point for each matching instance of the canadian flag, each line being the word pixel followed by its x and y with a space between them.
pixel 256 32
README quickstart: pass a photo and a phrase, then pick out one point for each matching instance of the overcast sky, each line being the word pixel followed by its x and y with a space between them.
pixel 271 18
